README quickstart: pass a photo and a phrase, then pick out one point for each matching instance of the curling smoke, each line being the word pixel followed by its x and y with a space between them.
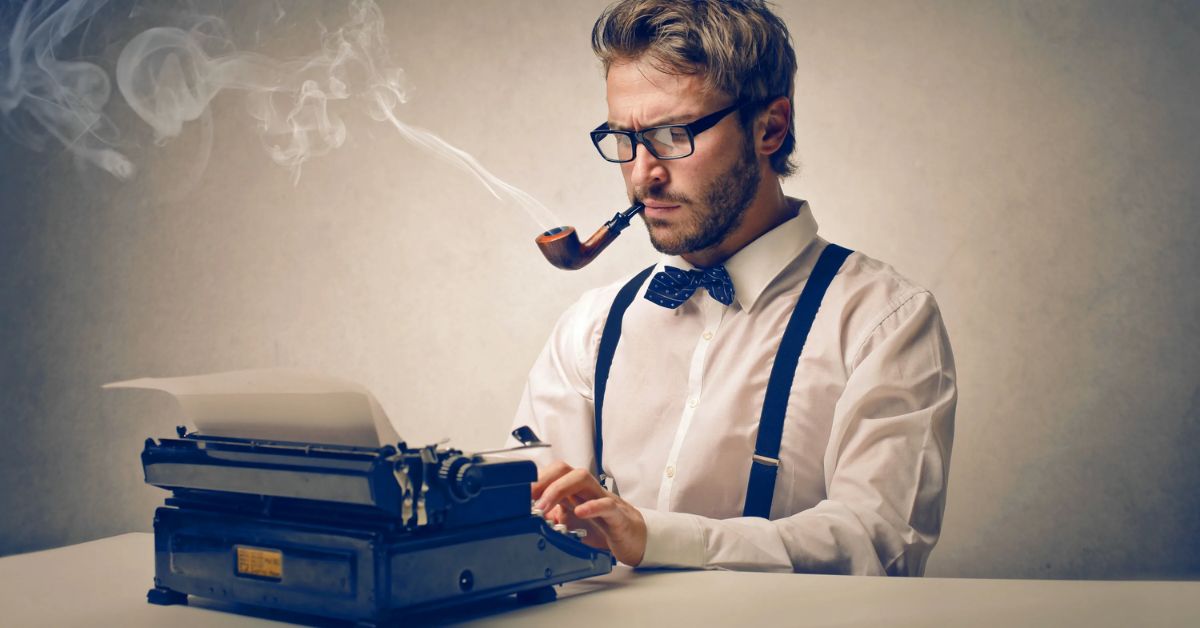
pixel 42 97
pixel 169 77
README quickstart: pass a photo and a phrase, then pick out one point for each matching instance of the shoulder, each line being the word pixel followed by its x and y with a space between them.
pixel 581 325
pixel 876 300
pixel 594 304
pixel 871 283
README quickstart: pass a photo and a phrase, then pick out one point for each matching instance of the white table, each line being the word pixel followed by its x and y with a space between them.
pixel 104 583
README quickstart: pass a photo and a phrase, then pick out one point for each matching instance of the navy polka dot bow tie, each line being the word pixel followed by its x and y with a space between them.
pixel 671 287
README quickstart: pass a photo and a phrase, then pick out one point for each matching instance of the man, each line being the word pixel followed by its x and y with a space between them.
pixel 744 426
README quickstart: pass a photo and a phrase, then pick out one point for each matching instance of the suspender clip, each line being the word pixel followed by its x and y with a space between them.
pixel 770 462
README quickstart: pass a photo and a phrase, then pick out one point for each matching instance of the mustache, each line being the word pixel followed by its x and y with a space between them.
pixel 659 194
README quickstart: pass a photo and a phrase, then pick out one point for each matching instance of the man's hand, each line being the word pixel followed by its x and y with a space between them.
pixel 574 497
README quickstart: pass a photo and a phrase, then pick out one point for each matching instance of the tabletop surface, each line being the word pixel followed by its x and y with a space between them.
pixel 104 583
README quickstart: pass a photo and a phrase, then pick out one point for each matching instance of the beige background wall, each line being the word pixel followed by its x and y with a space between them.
pixel 1034 164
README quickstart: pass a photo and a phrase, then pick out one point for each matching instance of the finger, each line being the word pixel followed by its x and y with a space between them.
pixel 548 476
pixel 604 508
pixel 557 514
pixel 561 513
pixel 572 484
pixel 593 536
pixel 606 514
pixel 621 525
pixel 577 485
pixel 603 516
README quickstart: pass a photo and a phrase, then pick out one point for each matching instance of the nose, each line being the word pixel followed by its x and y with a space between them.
pixel 646 171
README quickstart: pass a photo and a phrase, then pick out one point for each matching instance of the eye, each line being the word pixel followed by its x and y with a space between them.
pixel 662 140
pixel 670 141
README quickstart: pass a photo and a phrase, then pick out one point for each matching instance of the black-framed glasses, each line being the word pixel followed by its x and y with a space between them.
pixel 669 141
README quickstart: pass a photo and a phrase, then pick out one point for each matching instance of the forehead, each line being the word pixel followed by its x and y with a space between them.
pixel 640 95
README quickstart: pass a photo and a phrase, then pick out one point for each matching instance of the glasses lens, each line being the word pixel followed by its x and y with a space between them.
pixel 613 146
pixel 670 141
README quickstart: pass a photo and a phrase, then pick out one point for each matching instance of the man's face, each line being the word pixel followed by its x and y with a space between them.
pixel 694 202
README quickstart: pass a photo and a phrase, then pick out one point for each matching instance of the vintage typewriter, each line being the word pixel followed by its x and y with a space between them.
pixel 363 534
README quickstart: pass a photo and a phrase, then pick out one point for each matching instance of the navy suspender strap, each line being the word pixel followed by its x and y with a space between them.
pixel 608 347
pixel 765 466
pixel 761 487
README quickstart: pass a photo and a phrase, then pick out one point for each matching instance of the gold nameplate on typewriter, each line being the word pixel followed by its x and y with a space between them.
pixel 259 563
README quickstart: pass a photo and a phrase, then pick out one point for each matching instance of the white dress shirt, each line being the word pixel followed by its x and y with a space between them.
pixel 861 482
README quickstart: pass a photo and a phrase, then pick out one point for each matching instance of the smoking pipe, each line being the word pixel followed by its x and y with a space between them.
pixel 562 248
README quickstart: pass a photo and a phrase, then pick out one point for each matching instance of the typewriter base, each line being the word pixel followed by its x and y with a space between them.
pixel 360 574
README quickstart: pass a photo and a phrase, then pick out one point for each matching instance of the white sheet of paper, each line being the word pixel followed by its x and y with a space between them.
pixel 278 404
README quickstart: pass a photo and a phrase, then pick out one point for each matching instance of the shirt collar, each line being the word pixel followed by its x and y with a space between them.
pixel 758 263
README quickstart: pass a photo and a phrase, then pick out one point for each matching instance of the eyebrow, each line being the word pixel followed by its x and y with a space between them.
pixel 675 119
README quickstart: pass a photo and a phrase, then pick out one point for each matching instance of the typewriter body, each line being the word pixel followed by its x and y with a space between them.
pixel 353 533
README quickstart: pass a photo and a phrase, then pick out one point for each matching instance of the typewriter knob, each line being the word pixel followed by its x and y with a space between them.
pixel 462 479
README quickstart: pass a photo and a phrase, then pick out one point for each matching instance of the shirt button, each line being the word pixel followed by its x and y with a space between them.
pixel 708 335
pixel 693 402
pixel 670 471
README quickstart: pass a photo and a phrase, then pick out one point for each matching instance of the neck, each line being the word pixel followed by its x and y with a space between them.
pixel 769 209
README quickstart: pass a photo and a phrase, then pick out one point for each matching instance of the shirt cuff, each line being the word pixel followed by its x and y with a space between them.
pixel 673 539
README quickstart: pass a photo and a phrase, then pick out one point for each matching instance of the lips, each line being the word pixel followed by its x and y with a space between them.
pixel 656 209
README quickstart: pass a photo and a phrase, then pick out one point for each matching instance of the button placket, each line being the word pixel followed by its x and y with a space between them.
pixel 712 312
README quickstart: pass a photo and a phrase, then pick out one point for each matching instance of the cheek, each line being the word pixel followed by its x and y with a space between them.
pixel 687 175
pixel 627 174
pixel 720 152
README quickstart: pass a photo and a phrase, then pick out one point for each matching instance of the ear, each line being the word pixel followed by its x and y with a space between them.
pixel 771 128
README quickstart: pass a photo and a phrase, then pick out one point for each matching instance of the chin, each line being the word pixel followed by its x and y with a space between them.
pixel 667 242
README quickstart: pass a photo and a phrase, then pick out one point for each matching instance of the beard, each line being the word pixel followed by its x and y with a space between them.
pixel 723 205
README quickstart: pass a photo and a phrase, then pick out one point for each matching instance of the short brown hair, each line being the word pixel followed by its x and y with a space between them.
pixel 739 46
